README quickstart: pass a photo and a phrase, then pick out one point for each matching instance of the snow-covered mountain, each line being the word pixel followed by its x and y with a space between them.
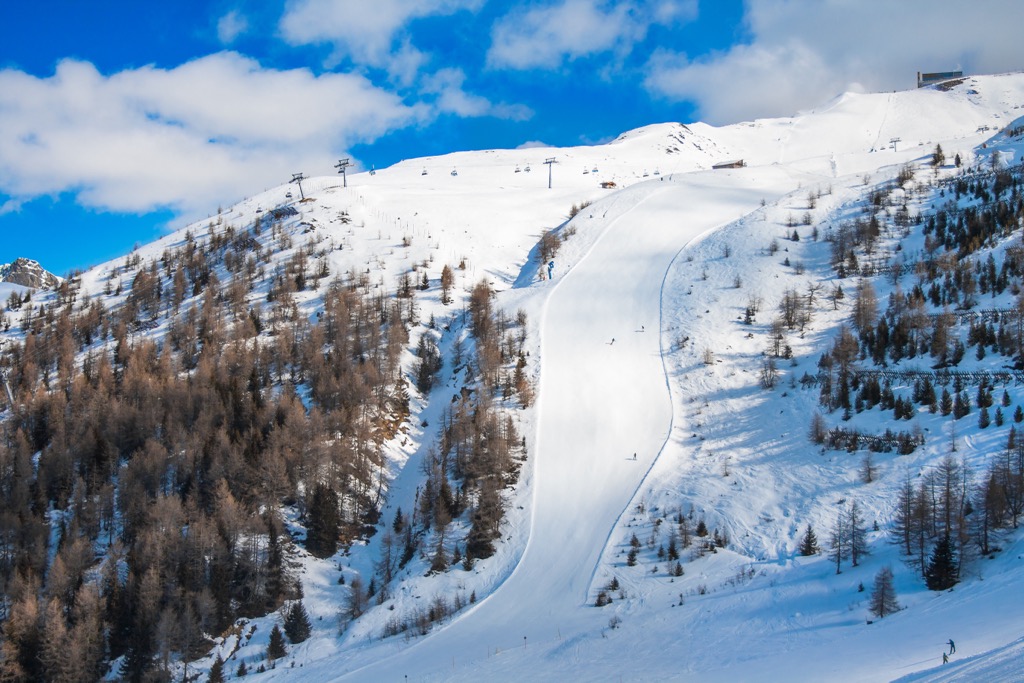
pixel 657 401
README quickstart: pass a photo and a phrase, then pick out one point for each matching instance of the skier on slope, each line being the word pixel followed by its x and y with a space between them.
pixel 952 646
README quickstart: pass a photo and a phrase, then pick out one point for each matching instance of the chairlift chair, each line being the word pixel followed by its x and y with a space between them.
pixel 424 172
pixel 454 172
pixel 527 169
pixel 517 168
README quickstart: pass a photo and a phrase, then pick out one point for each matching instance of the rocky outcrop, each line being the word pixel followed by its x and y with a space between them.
pixel 28 273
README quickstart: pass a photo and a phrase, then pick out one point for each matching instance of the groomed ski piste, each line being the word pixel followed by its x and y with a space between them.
pixel 637 349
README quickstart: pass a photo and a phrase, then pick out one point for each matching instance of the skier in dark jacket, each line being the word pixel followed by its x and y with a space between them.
pixel 952 646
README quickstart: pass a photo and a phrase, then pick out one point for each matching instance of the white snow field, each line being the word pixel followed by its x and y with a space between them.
pixel 664 265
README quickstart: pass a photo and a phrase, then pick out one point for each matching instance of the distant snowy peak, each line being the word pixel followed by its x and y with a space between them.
pixel 28 273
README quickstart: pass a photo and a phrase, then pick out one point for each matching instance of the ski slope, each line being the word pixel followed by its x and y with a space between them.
pixel 603 397
pixel 647 268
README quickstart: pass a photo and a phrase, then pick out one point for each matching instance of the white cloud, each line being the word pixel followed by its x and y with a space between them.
pixel 371 37
pixel 447 84
pixel 184 138
pixel 533 144
pixel 11 206
pixel 230 26
pixel 802 53
pixel 545 36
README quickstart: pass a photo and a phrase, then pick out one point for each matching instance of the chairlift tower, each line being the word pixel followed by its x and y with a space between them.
pixel 341 166
pixel 893 141
pixel 298 178
pixel 549 162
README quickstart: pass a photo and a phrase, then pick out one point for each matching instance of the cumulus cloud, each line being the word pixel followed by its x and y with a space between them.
pixel 373 38
pixel 543 37
pixel 801 54
pixel 446 86
pixel 230 26
pixel 180 138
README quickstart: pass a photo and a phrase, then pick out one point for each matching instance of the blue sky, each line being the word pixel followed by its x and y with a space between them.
pixel 122 119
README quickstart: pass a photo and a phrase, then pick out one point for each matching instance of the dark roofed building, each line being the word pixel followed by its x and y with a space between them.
pixel 938 77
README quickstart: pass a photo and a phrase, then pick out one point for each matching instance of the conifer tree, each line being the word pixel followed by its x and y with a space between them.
pixel 946 403
pixel 217 671
pixel 839 546
pixel 673 548
pixel 276 647
pixel 941 573
pixel 809 543
pixel 275 584
pixel 323 524
pixel 439 561
pixel 296 623
pixel 857 539
pixel 883 595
